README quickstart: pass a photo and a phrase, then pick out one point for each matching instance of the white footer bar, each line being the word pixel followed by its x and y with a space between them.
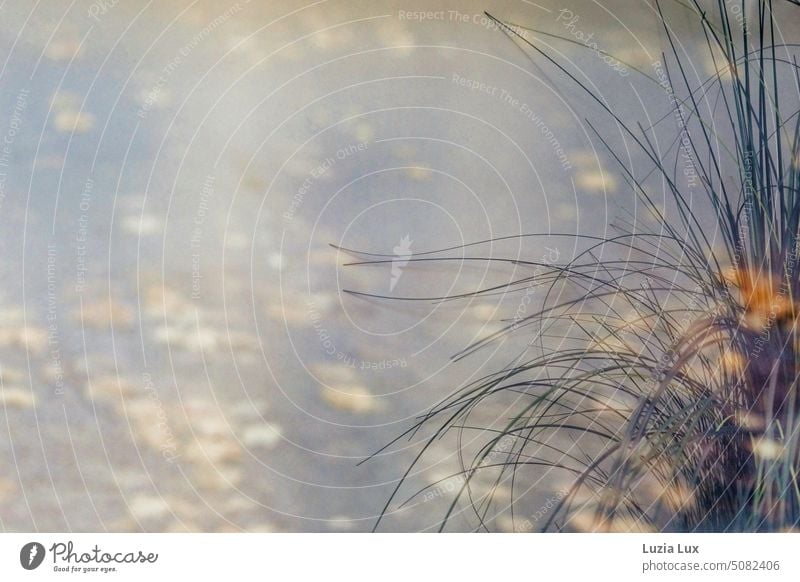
pixel 402 557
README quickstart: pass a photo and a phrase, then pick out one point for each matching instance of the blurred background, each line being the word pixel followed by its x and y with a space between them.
pixel 178 347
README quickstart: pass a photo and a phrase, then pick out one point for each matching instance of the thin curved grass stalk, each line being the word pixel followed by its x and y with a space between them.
pixel 678 359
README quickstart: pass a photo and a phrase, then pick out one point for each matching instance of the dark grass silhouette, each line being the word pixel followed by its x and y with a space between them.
pixel 681 359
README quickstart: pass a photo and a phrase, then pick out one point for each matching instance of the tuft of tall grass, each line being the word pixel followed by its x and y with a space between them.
pixel 670 400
